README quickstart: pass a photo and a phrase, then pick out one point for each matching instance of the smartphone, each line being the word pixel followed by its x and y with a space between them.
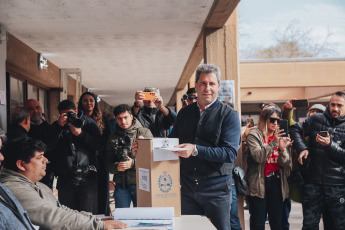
pixel 304 103
pixel 149 96
pixel 250 121
pixel 323 133
pixel 283 125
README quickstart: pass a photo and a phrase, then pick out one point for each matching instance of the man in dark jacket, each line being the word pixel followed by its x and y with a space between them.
pixel 211 133
pixel 325 175
pixel 20 124
pixel 154 115
pixel 74 158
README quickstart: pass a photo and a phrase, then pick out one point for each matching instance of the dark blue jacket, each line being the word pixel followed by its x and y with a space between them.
pixel 217 135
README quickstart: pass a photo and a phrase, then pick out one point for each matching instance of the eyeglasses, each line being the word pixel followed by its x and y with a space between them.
pixel 273 120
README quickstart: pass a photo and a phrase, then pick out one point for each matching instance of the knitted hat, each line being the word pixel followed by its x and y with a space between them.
pixel 319 107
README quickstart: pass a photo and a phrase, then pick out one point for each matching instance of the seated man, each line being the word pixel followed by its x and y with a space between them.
pixel 12 213
pixel 25 165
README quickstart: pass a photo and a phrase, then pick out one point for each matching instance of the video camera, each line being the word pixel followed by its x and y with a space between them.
pixel 123 145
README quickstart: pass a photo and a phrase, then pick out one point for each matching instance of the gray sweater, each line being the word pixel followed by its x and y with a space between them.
pixel 43 208
pixel 8 219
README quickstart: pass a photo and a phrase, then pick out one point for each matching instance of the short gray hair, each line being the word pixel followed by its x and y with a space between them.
pixel 18 115
pixel 207 68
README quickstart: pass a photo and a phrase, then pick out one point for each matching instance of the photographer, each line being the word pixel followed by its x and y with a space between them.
pixel 74 159
pixel 189 98
pixel 119 156
pixel 153 115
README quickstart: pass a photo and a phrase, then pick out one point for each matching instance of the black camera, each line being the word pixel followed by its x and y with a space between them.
pixel 123 145
pixel 79 173
pixel 184 97
pixel 73 119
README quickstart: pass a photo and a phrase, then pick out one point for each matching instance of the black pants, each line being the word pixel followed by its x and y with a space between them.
pixel 211 200
pixel 272 204
pixel 83 197
pixel 316 198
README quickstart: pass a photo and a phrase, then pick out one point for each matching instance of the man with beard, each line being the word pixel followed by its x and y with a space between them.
pixel 325 176
pixel 40 130
pixel 39 127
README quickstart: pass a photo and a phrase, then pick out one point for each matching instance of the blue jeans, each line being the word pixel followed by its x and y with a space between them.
pixel 234 220
pixel 123 197
pixel 211 200
pixel 272 204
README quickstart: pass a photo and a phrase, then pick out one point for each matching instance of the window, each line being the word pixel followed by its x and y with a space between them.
pixel 20 90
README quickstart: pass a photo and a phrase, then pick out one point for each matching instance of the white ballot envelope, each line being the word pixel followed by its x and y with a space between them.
pixel 163 149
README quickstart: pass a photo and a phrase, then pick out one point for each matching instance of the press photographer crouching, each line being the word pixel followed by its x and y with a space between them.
pixel 119 157
pixel 74 158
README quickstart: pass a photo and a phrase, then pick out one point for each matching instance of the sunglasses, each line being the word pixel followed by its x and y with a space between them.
pixel 273 120
pixel 191 97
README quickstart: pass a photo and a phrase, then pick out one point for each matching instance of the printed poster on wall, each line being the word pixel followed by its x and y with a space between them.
pixel 226 92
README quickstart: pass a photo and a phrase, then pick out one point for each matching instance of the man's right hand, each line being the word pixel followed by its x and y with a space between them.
pixel 114 224
pixel 288 104
pixel 124 165
pixel 304 154
pixel 62 121
pixel 139 97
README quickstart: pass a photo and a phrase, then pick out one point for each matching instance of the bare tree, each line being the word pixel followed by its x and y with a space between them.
pixel 293 41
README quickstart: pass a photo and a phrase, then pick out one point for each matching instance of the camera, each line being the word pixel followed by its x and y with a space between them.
pixel 184 97
pixel 79 173
pixel 73 119
pixel 123 145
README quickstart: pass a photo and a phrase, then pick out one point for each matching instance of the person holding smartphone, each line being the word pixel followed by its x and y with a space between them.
pixel 295 189
pixel 325 179
pixel 153 115
pixel 268 166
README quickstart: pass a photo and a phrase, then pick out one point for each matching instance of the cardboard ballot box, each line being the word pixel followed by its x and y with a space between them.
pixel 158 174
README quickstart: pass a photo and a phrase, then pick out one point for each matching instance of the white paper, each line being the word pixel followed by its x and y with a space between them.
pixel 144 213
pixel 143 224
pixel 163 147
pixel 144 179
pixel 174 149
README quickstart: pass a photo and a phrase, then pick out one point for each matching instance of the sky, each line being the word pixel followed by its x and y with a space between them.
pixel 259 19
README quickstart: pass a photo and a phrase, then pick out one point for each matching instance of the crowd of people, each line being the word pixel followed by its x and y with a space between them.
pixel 80 149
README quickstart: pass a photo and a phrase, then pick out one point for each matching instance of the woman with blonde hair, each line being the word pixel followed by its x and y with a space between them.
pixel 268 167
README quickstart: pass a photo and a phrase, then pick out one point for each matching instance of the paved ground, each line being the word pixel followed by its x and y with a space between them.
pixel 295 220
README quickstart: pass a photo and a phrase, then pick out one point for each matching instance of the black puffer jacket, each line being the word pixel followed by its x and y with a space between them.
pixel 327 164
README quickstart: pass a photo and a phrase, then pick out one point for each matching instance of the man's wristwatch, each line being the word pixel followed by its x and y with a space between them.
pixel 135 105
pixel 195 152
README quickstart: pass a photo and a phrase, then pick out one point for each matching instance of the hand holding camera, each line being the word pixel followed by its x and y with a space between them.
pixel 124 165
